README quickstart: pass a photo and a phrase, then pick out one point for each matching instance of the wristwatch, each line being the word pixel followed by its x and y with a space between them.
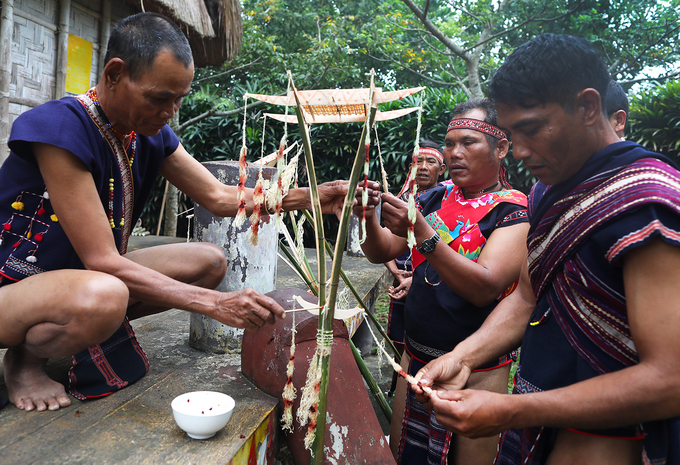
pixel 428 245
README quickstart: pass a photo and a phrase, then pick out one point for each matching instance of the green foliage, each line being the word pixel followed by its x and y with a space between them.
pixel 333 44
pixel 655 119
pixel 463 42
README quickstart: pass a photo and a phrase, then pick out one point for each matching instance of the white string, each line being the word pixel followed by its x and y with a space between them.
pixel 395 366
pixel 386 186
pixel 264 128
pixel 245 114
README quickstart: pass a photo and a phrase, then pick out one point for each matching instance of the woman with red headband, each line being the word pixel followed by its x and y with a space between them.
pixel 470 245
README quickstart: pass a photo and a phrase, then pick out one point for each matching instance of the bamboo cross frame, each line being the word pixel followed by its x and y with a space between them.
pixel 314 107
pixel 326 314
pixel 317 448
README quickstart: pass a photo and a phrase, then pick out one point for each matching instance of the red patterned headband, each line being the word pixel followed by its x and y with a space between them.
pixel 430 151
pixel 477 125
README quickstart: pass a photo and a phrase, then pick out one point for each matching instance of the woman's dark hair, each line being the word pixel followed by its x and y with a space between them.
pixel 138 39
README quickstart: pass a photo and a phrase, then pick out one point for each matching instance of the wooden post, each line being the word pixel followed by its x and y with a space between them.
pixel 62 48
pixel 171 210
pixel 6 25
pixel 172 198
pixel 104 34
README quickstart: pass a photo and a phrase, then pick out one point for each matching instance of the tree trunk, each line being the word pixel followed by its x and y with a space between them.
pixel 172 199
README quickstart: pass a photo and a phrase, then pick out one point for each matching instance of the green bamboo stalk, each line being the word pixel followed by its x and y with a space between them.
pixel 365 372
pixel 319 235
pixel 295 226
pixel 375 389
pixel 300 271
pixel 361 302
pixel 357 168
pixel 316 205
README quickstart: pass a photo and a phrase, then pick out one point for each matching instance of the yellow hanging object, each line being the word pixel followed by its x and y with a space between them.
pixel 54 218
pixel 29 235
pixel 19 206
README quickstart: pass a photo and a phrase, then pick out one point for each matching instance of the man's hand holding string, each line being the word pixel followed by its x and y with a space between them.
pixel 332 196
pixel 247 309
pixel 446 373
pixel 401 290
pixel 373 199
pixel 470 413
pixel 395 218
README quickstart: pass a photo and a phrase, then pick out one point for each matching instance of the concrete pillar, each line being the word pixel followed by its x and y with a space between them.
pixel 104 34
pixel 353 246
pixel 6 26
pixel 62 49
pixel 362 339
pixel 249 266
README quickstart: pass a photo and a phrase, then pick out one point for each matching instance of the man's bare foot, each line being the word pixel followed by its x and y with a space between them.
pixel 28 385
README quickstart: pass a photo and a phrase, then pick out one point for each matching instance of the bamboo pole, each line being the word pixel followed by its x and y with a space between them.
pixel 365 372
pixel 375 389
pixel 6 29
pixel 104 35
pixel 160 216
pixel 327 323
pixel 361 302
pixel 316 204
pixel 62 49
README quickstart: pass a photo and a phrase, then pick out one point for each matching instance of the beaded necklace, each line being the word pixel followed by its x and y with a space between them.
pixel 483 191
pixel 132 134
pixel 131 158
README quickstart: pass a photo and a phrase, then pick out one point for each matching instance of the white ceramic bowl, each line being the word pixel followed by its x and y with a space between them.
pixel 202 413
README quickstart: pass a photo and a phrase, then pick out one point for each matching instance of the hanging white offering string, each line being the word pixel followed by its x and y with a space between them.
pixel 410 379
pixel 258 193
pixel 289 394
pixel 385 185
pixel 410 234
pixel 367 146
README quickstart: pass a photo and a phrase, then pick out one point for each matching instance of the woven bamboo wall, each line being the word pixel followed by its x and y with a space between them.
pixel 33 53
pixel 34 45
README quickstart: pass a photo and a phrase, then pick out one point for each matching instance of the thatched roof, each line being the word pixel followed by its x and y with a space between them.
pixel 214 27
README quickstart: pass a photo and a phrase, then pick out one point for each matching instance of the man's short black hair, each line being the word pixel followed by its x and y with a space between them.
pixel 550 68
pixel 487 106
pixel 616 99
pixel 138 39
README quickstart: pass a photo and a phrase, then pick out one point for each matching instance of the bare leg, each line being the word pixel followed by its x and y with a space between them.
pixel 51 315
pixel 197 263
pixel 481 451
pixel 571 448
pixel 398 407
